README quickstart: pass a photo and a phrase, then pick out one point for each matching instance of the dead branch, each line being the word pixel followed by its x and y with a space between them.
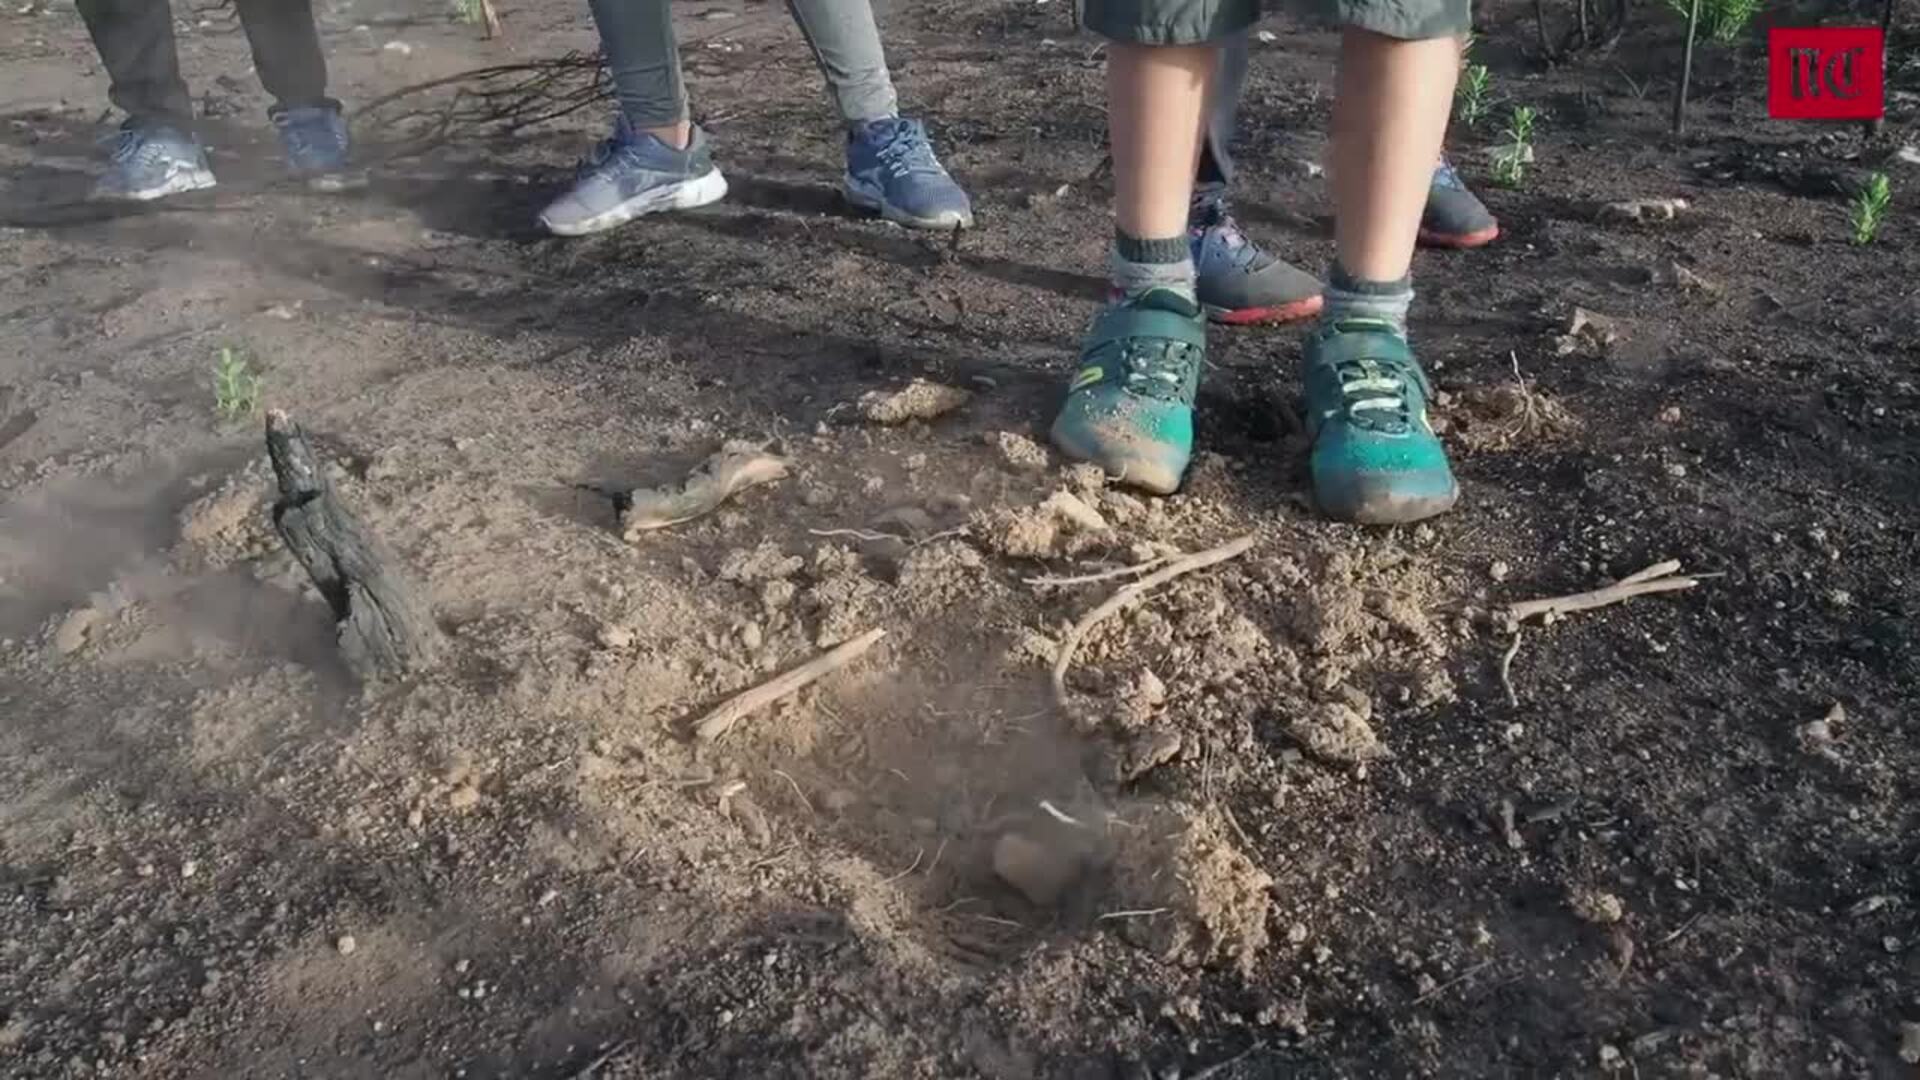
pixel 384 627
pixel 491 18
pixel 1128 595
pixel 1087 579
pixel 1659 578
pixel 730 712
pixel 1506 668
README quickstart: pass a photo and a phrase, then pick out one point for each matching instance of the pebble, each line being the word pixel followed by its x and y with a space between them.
pixel 1499 571
pixel 461 966
pixel 346 945
pixel 464 797
pixel 615 637
pixel 75 631
pixel 189 868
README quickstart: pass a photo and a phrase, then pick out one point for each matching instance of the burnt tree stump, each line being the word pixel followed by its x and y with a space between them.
pixel 384 626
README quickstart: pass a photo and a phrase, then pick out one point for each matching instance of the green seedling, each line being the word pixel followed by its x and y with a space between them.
pixel 1471 95
pixel 236 388
pixel 1869 209
pixel 1722 20
pixel 1510 160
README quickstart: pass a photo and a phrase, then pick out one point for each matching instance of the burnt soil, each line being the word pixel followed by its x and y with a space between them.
pixel 1310 835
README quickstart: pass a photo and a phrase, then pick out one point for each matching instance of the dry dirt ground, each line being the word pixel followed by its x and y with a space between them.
pixel 1310 834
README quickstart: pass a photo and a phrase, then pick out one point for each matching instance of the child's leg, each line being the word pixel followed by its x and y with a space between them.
pixel 1237 281
pixel 1375 459
pixel 657 159
pixel 136 45
pixel 1391 101
pixel 1130 407
pixel 891 167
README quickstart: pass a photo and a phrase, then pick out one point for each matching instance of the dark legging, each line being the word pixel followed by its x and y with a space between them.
pixel 637 36
pixel 135 40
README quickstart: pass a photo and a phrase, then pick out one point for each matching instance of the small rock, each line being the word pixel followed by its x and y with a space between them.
pixel 1643 209
pixel 1266 37
pixel 399 48
pixel 1596 906
pixel 1068 507
pixel 1909 154
pixel 614 637
pixel 1609 1057
pixel 463 797
pixel 1150 688
pixel 75 631
pixel 1909 1042
pixel 1499 570
pixel 750 636
pixel 918 400
pixel 1019 451
pixel 1297 933
pixel 1041 874
pixel 1817 736
pixel 346 945
pixel 1676 470
pixel 189 868
pixel 460 967
pixel 1670 415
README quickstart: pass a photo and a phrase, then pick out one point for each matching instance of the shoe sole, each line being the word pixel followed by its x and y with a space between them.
pixel 685 195
pixel 1150 478
pixel 878 204
pixel 1256 316
pixel 1460 241
pixel 194 179
pixel 1386 509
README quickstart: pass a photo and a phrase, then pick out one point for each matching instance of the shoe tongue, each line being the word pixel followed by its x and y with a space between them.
pixel 1166 300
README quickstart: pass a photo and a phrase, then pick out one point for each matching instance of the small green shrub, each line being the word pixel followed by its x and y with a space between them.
pixel 1511 158
pixel 236 387
pixel 1869 208
pixel 1471 95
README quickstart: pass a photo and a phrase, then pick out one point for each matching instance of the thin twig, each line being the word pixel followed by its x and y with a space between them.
pixel 937 852
pixel 1684 927
pixel 491 17
pixel 1127 595
pixel 734 709
pixel 1506 668
pixel 591 1067
pixel 1453 982
pixel 1143 913
pixel 1658 578
pixel 1219 1067
pixel 796 789
pixel 1085 579
pixel 917 856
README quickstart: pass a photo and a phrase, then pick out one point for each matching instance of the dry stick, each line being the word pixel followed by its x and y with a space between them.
pixel 1087 579
pixel 1216 1070
pixel 593 1066
pixel 804 801
pixel 1453 982
pixel 1140 914
pixel 1686 72
pixel 491 18
pixel 1128 595
pixel 744 704
pixel 1506 668
pixel 1657 578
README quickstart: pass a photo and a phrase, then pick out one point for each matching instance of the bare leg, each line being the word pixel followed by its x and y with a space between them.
pixel 1156 105
pixel 1390 112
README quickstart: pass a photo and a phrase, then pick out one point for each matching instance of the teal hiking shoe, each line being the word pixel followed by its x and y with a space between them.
pixel 1130 407
pixel 1375 459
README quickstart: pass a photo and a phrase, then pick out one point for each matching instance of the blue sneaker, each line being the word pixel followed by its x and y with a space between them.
pixel 316 144
pixel 1375 459
pixel 1236 281
pixel 152 161
pixel 1130 408
pixel 1454 216
pixel 891 169
pixel 633 173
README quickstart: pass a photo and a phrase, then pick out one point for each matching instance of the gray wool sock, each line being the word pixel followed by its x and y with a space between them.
pixel 1140 266
pixel 1349 297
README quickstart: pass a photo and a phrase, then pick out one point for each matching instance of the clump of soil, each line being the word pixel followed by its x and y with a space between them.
pixel 918 400
pixel 1186 892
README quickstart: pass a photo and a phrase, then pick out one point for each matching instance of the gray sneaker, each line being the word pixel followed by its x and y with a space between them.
pixel 152 161
pixel 631 174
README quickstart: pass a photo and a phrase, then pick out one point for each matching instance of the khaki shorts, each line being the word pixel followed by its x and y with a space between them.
pixel 1198 22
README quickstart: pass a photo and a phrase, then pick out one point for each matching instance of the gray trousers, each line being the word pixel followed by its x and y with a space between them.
pixel 1223 107
pixel 644 59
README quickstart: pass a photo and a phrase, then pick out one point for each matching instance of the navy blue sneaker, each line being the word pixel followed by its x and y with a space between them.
pixel 891 169
pixel 633 173
pixel 1454 216
pixel 152 161
pixel 1237 282
pixel 316 144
